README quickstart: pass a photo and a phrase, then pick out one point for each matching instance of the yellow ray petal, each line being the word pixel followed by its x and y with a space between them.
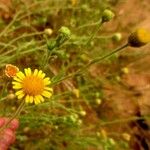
pixel 17 87
pixel 27 99
pixel 47 94
pixel 20 75
pixel 35 72
pixel 41 98
pixel 47 81
pixel 39 73
pixel 17 79
pixel 43 75
pixel 19 92
pixel 16 83
pixel 36 100
pixel 21 96
pixel 48 89
pixel 27 71
pixel 31 99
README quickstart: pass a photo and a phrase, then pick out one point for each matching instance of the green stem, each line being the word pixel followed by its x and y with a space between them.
pixel 94 33
pixel 134 118
pixel 96 60
pixel 10 24
pixel 88 25
pixel 18 111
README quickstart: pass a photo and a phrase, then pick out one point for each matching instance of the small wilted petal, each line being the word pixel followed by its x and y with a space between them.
pixel 11 70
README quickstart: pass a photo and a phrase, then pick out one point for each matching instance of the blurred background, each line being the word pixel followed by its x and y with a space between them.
pixel 106 107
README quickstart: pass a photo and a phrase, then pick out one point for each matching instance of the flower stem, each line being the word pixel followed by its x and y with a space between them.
pixel 96 60
pixel 18 111
pixel 94 33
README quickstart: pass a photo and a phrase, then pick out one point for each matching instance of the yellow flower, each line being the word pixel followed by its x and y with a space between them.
pixel 32 86
pixel 139 38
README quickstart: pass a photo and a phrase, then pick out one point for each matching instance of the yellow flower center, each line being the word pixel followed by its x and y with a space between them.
pixel 143 35
pixel 33 85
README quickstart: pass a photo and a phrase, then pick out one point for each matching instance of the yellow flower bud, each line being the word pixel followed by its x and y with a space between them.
pixel 118 78
pixel 79 122
pixel 76 92
pixel 125 70
pixel 26 129
pixel 82 113
pixel 74 2
pixel 104 133
pixel 139 38
pixel 48 31
pixel 11 96
pixel 98 101
pixel 126 136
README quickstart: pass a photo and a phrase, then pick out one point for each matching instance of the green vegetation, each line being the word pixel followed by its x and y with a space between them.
pixel 69 42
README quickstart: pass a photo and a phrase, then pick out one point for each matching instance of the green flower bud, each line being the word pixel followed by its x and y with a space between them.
pixel 97 94
pixel 72 119
pixel 107 15
pixel 62 54
pixel 112 141
pixel 117 37
pixel 65 31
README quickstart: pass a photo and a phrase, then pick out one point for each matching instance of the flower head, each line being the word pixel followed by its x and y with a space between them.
pixel 107 15
pixel 48 31
pixel 32 86
pixel 65 32
pixel 11 70
pixel 139 38
pixel 117 37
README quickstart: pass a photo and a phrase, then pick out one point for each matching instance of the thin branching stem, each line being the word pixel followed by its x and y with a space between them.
pixel 94 61
pixel 15 115
pixel 94 33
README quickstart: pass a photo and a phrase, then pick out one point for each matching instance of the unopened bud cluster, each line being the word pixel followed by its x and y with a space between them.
pixel 64 35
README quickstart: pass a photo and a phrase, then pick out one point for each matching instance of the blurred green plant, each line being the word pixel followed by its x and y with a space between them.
pixel 67 42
